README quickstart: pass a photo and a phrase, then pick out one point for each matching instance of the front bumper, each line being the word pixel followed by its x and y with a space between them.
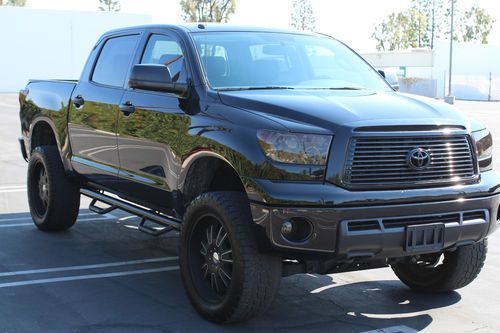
pixel 475 206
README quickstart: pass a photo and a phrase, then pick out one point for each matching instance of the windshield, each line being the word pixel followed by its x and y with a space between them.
pixel 256 60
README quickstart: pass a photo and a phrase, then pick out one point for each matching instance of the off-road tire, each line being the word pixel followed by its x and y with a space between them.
pixel 458 269
pixel 255 275
pixel 57 208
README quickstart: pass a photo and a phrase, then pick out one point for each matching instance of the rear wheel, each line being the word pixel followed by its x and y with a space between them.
pixel 226 277
pixel 444 272
pixel 53 199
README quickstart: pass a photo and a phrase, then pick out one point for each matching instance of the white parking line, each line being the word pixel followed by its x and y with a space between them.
pixel 394 329
pixel 94 266
pixel 8 105
pixel 7 187
pixel 87 277
pixel 13 190
pixel 28 217
pixel 11 225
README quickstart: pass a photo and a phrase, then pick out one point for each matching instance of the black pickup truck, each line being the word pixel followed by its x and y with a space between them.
pixel 272 152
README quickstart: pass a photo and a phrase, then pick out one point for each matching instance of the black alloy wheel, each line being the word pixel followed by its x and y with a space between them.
pixel 214 262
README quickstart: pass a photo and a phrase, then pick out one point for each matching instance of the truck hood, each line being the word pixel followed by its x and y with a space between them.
pixel 327 110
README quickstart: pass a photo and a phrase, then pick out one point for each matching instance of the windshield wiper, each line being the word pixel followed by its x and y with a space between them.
pixel 256 88
pixel 347 88
pixel 339 88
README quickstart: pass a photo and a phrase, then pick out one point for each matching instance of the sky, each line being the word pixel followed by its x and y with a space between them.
pixel 351 21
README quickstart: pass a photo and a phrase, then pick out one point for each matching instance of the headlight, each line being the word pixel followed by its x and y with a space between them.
pixel 484 149
pixel 295 148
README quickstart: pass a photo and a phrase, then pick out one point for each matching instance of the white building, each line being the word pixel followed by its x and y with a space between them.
pixel 48 44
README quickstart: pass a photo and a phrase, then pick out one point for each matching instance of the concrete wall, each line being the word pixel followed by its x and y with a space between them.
pixel 410 58
pixel 418 86
pixel 427 70
pixel 47 44
pixel 472 65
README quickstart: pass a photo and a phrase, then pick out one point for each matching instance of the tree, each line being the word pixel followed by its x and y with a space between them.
pixel 401 31
pixel 303 15
pixel 435 14
pixel 418 26
pixel 477 25
pixel 207 10
pixel 428 20
pixel 110 5
pixel 457 21
pixel 15 3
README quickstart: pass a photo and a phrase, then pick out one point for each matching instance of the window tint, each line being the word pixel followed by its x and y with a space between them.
pixel 114 61
pixel 165 50
pixel 272 61
pixel 242 60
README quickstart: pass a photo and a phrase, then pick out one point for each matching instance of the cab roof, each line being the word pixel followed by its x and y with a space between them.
pixel 210 27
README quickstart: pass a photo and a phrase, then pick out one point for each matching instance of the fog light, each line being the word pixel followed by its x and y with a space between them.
pixel 287 228
pixel 296 230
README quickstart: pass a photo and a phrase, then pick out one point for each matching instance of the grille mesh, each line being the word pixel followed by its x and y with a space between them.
pixel 375 161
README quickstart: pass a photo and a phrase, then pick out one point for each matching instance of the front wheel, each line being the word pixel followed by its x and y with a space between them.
pixel 226 277
pixel 444 272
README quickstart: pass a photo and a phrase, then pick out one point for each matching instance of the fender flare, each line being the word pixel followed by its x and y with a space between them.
pixel 63 153
pixel 196 156
pixel 36 122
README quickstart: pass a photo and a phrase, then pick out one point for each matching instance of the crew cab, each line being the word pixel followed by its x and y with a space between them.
pixel 273 152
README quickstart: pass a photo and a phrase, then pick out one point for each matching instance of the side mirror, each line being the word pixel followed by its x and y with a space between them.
pixel 381 72
pixel 155 77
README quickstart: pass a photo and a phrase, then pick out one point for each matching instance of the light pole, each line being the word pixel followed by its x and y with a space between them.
pixel 450 98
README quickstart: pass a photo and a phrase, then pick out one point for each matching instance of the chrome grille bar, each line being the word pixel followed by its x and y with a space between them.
pixel 383 161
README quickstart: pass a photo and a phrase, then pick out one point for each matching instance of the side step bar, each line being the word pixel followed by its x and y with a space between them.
pixel 169 223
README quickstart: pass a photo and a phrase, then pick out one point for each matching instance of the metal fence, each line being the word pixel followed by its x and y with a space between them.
pixel 479 88
pixel 464 87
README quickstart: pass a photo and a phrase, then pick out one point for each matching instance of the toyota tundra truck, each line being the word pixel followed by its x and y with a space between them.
pixel 272 152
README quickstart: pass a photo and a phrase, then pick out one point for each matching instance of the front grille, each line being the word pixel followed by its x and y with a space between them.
pixel 384 161
pixel 404 221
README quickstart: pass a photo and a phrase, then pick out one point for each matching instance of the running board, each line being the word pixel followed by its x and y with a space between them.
pixel 169 223
pixel 98 210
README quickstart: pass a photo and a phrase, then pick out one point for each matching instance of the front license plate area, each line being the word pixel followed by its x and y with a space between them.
pixel 425 238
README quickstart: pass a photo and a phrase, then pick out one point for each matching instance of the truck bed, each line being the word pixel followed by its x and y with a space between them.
pixel 42 99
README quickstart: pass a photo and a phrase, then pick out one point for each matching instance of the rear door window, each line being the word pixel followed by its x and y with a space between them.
pixel 114 60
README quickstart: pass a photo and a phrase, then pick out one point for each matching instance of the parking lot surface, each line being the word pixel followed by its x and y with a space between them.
pixel 105 276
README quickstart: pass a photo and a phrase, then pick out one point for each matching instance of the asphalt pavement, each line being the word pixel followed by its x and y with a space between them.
pixel 105 276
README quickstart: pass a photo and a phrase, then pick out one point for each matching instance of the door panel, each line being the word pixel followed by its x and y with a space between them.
pixel 147 140
pixel 93 117
pixel 92 132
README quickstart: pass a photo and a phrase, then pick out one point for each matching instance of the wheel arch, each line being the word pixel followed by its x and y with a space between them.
pixel 43 133
pixel 206 171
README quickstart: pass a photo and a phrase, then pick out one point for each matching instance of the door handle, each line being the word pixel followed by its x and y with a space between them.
pixel 78 101
pixel 127 108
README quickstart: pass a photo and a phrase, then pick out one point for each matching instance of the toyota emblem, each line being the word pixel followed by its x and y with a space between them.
pixel 418 159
